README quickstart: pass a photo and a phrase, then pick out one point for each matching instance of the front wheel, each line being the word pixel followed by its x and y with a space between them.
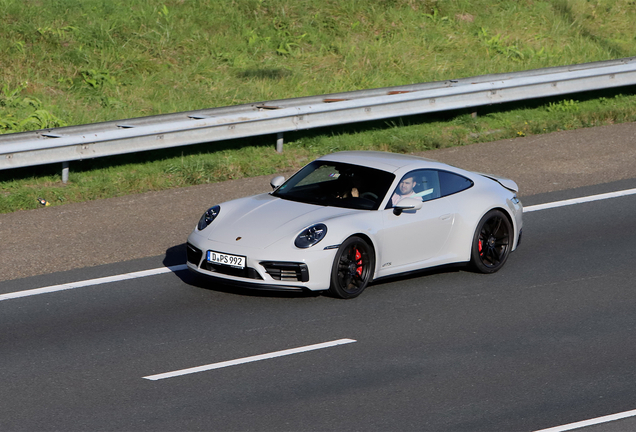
pixel 352 268
pixel 492 242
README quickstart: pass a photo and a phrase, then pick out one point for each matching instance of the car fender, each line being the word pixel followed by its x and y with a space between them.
pixel 364 223
pixel 467 230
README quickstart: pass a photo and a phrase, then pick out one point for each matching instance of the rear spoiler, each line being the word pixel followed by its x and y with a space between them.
pixel 505 182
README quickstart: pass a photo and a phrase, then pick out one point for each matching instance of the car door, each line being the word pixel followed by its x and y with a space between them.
pixel 413 237
pixel 416 236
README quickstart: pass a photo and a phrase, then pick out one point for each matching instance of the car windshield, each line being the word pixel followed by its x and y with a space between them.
pixel 337 184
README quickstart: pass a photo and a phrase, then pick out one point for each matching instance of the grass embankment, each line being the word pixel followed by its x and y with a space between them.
pixel 70 62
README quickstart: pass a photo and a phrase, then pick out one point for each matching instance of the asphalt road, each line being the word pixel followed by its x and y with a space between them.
pixel 548 340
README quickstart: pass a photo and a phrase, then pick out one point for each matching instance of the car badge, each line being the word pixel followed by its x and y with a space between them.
pixel 238 238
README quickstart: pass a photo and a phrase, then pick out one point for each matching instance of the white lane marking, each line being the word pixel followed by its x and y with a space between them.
pixel 91 282
pixel 590 422
pixel 160 270
pixel 249 359
pixel 579 200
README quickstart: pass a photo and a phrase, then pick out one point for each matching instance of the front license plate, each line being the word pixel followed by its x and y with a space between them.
pixel 226 259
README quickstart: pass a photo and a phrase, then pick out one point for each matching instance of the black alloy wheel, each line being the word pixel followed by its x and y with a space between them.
pixel 352 268
pixel 492 242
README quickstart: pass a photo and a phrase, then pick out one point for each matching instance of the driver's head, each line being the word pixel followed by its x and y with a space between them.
pixel 406 186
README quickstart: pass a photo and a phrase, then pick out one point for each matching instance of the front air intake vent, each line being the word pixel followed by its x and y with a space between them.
pixel 287 271
pixel 193 254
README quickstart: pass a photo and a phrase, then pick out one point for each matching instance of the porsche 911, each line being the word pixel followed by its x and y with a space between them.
pixel 349 218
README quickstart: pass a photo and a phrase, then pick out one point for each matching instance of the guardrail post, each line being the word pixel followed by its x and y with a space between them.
pixel 64 172
pixel 279 142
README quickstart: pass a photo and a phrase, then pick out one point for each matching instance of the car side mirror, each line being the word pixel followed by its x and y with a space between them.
pixel 407 204
pixel 277 181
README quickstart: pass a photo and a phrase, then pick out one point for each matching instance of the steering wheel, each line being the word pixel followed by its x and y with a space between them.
pixel 369 195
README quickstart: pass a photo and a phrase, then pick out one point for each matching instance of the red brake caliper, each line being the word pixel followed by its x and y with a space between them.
pixel 358 262
pixel 480 247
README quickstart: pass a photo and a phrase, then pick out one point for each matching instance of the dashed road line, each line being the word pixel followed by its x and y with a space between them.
pixel 249 359
pixel 91 282
pixel 579 200
pixel 591 422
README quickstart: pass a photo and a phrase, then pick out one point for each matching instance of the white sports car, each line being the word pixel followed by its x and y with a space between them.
pixel 348 218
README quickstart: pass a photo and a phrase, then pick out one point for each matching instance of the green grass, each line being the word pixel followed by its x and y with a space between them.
pixel 68 62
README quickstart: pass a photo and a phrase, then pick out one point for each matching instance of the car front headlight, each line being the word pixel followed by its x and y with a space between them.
pixel 310 236
pixel 207 218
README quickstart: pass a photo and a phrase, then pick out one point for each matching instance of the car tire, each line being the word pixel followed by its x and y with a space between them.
pixel 352 268
pixel 492 242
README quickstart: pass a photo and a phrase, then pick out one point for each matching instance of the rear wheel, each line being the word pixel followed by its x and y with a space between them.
pixel 492 242
pixel 352 268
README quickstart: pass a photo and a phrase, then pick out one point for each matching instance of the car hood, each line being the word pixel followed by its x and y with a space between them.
pixel 263 220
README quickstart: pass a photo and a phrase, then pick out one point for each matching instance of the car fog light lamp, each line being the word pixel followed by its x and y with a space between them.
pixel 310 236
pixel 207 218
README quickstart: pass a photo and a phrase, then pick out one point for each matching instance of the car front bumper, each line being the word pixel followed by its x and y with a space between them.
pixel 292 269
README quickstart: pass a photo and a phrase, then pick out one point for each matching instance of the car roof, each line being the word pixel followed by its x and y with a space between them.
pixel 381 160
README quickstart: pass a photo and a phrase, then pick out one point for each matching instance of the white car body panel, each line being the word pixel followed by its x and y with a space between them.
pixel 434 225
pixel 263 228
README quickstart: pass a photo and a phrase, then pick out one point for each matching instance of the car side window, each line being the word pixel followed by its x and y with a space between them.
pixel 423 184
pixel 452 183
pixel 428 184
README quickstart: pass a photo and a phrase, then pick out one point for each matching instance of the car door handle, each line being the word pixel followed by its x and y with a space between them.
pixel 446 216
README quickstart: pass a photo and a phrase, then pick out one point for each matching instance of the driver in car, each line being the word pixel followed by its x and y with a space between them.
pixel 351 183
pixel 404 190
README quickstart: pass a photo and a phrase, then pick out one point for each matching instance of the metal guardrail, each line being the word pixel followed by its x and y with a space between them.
pixel 171 130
